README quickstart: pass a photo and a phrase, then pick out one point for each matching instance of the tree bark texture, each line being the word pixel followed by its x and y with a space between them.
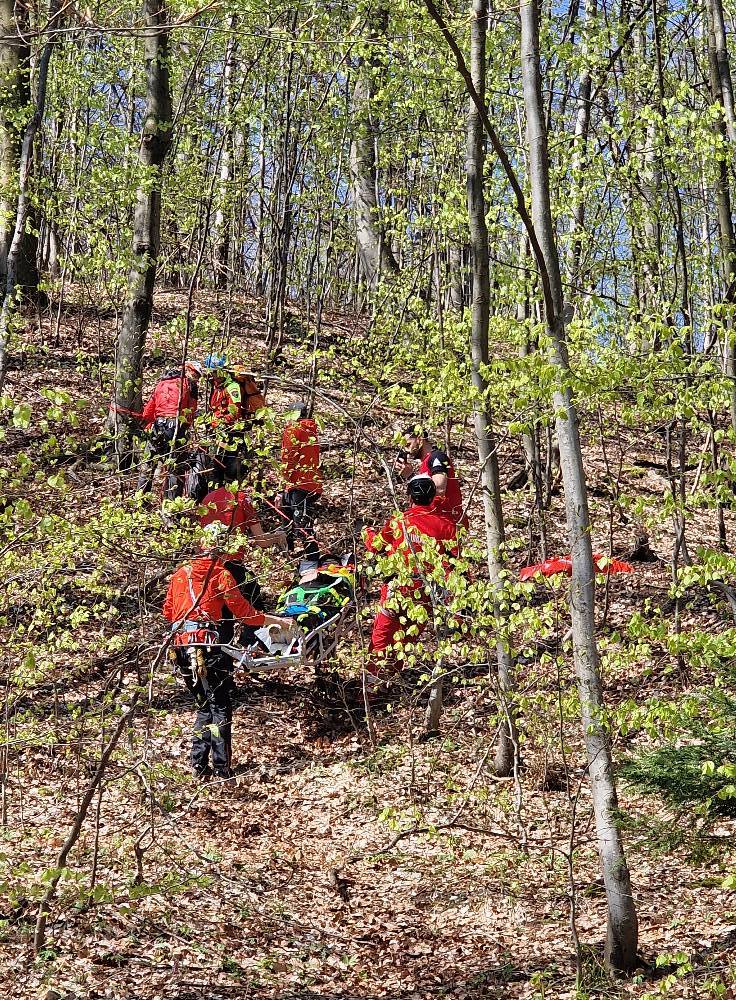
pixel 15 94
pixel 155 142
pixel 376 256
pixel 18 246
pixel 622 936
pixel 223 214
pixel 721 64
pixel 483 424
pixel 719 69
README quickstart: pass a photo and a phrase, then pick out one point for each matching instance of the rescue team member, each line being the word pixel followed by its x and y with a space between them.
pixel 236 514
pixel 425 460
pixel 301 477
pixel 198 593
pixel 405 533
pixel 235 400
pixel 168 415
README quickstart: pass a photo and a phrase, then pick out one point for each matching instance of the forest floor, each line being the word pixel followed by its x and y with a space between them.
pixel 337 865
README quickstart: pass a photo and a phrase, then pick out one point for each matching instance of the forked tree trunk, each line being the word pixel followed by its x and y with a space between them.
pixel 155 142
pixel 622 937
pixel 376 256
pixel 484 434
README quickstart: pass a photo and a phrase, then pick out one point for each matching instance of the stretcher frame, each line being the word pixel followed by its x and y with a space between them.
pixel 304 655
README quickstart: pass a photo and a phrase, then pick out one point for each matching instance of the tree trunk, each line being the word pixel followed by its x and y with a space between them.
pixel 457 298
pixel 580 156
pixel 721 64
pixel 15 95
pixel 376 256
pixel 19 242
pixel 622 937
pixel 718 67
pixel 155 142
pixel 223 215
pixel 484 434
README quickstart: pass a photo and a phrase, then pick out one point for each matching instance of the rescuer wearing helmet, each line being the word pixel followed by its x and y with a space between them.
pixel 198 594
pixel 302 477
pixel 406 534
pixel 168 415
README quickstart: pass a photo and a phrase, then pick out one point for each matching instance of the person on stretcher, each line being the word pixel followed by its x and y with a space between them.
pixel 407 534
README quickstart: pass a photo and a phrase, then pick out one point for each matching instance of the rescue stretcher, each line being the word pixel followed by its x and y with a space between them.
pixel 320 606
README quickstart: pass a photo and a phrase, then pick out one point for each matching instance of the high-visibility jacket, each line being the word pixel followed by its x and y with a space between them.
pixel 406 532
pixel 225 403
pixel 175 395
pixel 235 397
pixel 300 456
pixel 197 594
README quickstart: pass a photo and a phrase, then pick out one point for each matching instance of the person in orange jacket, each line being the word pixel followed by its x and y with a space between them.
pixel 237 515
pixel 198 594
pixel 301 477
pixel 406 533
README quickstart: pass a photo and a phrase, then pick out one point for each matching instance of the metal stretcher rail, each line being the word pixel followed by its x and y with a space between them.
pixel 244 656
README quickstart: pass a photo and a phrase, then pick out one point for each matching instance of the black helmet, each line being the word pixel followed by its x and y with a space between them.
pixel 422 490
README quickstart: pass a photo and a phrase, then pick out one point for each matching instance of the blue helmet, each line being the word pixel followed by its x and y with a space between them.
pixel 215 361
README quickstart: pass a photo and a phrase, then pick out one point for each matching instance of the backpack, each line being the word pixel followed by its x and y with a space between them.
pixel 252 398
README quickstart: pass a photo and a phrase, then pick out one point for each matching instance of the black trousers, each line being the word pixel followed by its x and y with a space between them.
pixel 299 506
pixel 212 736
pixel 251 591
pixel 225 467
pixel 162 444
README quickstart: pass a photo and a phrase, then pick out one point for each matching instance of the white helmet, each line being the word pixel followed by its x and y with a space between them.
pixel 214 536
pixel 194 366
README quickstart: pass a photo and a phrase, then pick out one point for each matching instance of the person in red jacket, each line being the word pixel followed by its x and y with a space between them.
pixel 237 515
pixel 302 478
pixel 167 417
pixel 406 534
pixel 423 459
pixel 198 594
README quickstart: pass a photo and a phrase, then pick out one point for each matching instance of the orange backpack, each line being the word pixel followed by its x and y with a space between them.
pixel 253 399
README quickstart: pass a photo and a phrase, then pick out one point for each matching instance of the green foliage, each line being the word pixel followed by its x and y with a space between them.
pixel 700 774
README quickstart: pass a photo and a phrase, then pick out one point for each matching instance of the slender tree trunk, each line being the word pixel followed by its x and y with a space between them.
pixel 484 434
pixel 15 259
pixel 223 215
pixel 718 66
pixel 260 282
pixel 15 95
pixel 622 937
pixel 718 52
pixel 155 143
pixel 457 297
pixel 376 256
pixel 580 155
